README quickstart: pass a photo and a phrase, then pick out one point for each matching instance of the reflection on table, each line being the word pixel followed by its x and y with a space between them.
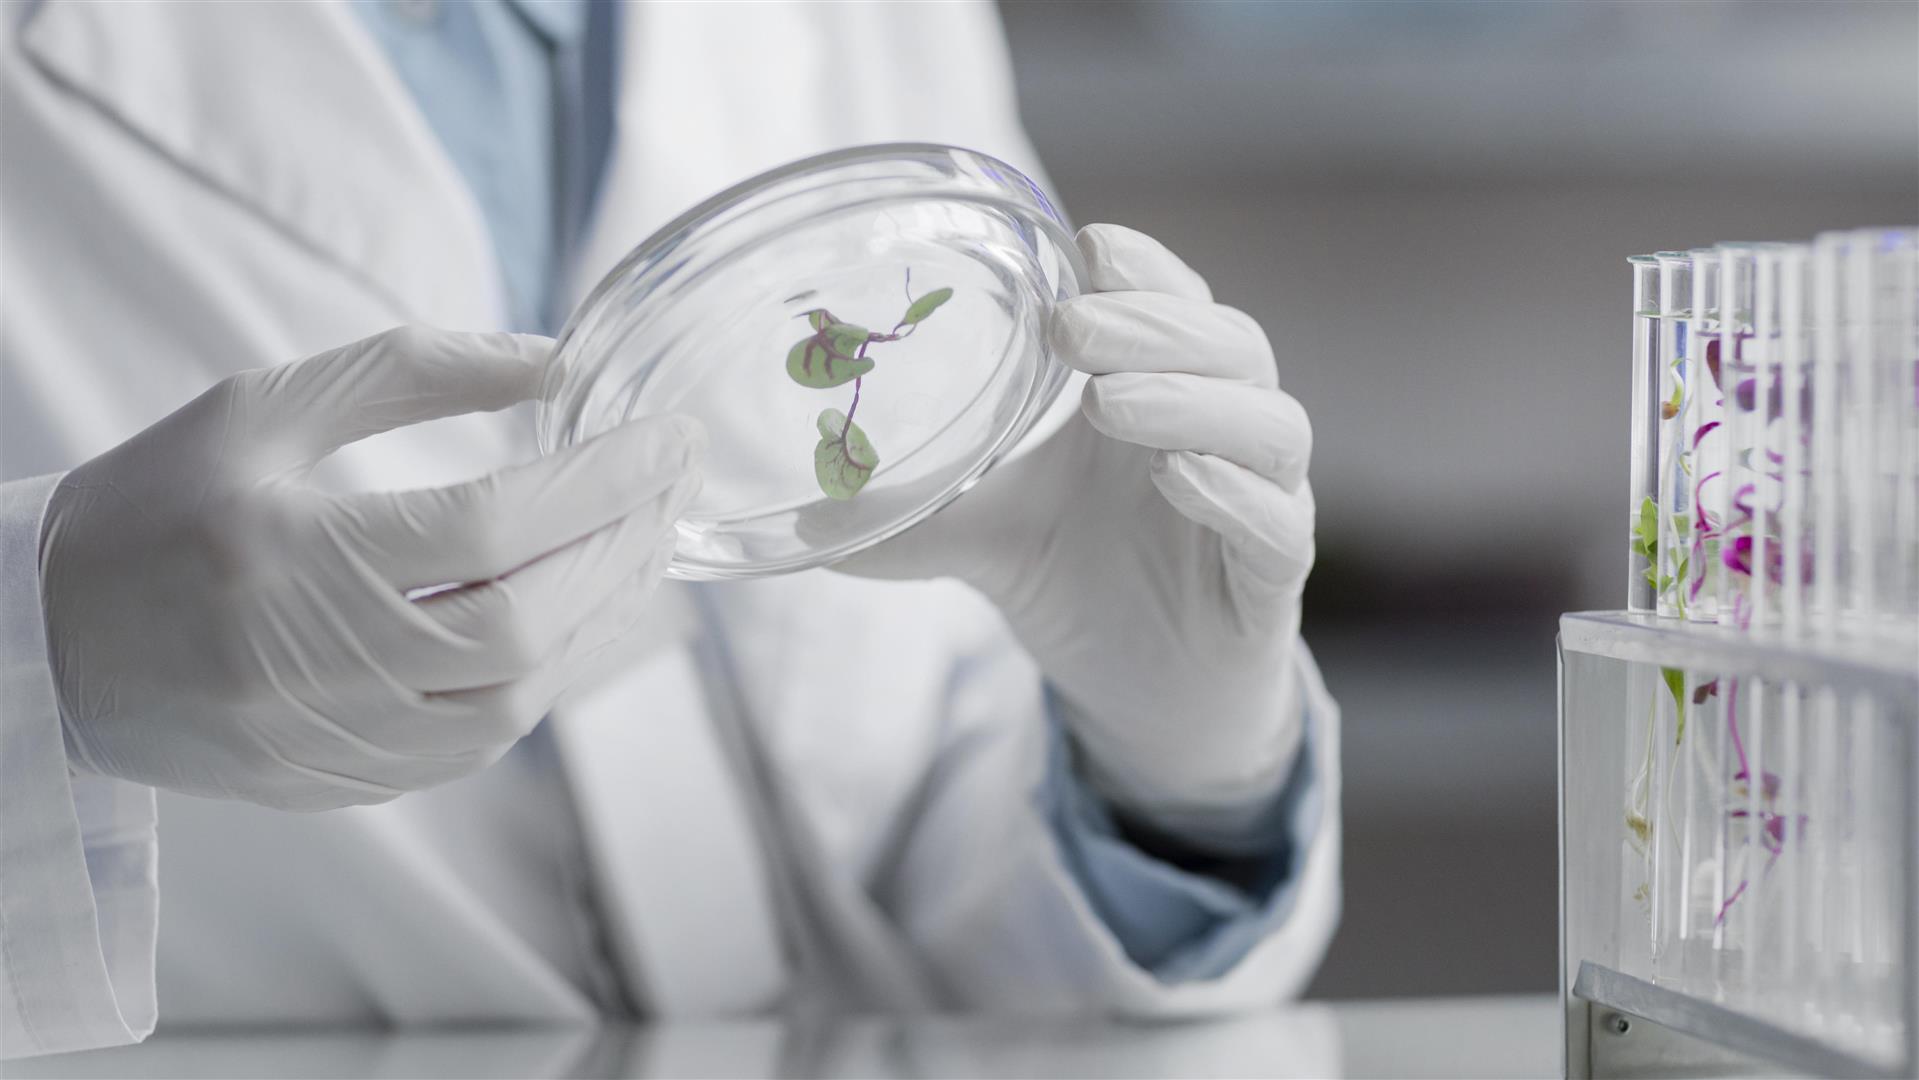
pixel 1482 1037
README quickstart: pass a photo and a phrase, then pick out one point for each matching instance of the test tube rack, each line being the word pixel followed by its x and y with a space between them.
pixel 1739 746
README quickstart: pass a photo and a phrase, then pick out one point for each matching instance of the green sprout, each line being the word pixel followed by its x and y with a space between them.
pixel 1645 544
pixel 834 355
pixel 1645 538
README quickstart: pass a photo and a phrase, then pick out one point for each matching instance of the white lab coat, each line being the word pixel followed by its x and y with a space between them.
pixel 193 189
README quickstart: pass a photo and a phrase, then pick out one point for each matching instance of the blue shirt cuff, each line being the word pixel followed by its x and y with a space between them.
pixel 1179 923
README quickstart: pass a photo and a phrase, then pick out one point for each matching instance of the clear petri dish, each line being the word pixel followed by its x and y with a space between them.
pixel 861 332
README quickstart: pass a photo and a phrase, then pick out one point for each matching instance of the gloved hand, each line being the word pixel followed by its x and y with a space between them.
pixel 1151 554
pixel 216 627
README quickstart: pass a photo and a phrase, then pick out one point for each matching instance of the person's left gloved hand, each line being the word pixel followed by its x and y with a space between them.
pixel 1151 554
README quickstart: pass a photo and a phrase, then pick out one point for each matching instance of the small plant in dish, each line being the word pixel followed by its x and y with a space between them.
pixel 835 354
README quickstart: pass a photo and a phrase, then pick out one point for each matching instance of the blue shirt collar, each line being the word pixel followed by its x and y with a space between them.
pixel 561 22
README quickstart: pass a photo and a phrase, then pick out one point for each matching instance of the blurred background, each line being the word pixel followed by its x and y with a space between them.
pixel 1429 206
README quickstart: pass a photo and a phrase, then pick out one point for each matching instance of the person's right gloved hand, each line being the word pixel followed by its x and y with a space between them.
pixel 219 628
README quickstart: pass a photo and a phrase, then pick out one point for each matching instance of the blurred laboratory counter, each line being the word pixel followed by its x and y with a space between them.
pixel 1413 1037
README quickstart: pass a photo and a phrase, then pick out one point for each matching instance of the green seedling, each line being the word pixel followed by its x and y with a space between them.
pixel 834 355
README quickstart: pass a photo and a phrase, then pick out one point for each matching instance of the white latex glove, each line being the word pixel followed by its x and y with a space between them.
pixel 217 627
pixel 1151 554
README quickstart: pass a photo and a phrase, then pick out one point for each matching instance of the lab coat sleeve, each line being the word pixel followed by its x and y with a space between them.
pixel 1019 894
pixel 1176 922
pixel 79 902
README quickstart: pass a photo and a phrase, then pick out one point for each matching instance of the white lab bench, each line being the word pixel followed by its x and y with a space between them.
pixel 1413 1037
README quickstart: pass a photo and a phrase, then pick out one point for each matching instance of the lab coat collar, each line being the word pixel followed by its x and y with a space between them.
pixel 290 110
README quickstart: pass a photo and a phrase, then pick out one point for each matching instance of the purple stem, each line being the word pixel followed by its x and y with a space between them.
pixel 857 381
pixel 853 408
pixel 1732 725
pixel 1705 523
pixel 1742 502
pixel 891 335
pixel 1727 906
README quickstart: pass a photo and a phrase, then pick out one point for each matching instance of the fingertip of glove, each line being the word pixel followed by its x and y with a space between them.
pixel 685 490
pixel 534 353
pixel 691 432
pixel 686 437
pixel 1122 259
pixel 535 349
pixel 1101 241
pixel 1072 325
pixel 516 360
pixel 1108 404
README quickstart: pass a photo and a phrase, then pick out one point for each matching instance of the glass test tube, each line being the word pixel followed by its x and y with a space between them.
pixel 1788 936
pixel 1824 451
pixel 1643 497
pixel 1888 256
pixel 1687 842
pixel 1783 972
pixel 1901 367
pixel 1861 445
pixel 1766 459
pixel 1675 470
pixel 1825 833
pixel 1878 791
pixel 1754 884
pixel 1794 336
pixel 1714 729
pixel 1662 841
pixel 1705 440
pixel 1635 898
pixel 1742 459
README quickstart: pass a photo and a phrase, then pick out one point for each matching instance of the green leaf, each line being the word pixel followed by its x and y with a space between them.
pixel 1676 685
pixel 813 363
pixel 1645 530
pixel 845 459
pixel 847 339
pixel 925 306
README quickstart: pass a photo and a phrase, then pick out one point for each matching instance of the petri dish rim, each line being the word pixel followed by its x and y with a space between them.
pixel 675 232
pixel 1043 385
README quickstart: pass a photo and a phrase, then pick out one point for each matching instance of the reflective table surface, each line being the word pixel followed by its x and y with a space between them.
pixel 1477 1037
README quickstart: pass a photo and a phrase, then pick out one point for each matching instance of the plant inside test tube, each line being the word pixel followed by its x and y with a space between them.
pixel 1772 823
pixel 836 353
pixel 1645 544
pixel 1725 545
pixel 1669 580
pixel 1639 811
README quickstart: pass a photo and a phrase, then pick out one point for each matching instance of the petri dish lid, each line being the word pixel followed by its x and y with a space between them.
pixel 862 333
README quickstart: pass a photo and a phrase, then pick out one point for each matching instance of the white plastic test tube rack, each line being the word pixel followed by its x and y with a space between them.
pixel 1739 748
